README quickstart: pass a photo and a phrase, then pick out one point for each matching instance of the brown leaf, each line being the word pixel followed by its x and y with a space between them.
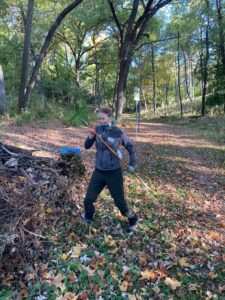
pixel 183 262
pixel 68 296
pixel 114 274
pixel 148 274
pixel 124 286
pixel 76 251
pixel 109 241
pixel 57 281
pixel 82 296
pixel 192 287
pixel 173 283
pixel 212 275
pixel 143 259
pixel 72 277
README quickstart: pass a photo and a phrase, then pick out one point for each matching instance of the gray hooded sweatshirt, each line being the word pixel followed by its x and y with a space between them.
pixel 115 138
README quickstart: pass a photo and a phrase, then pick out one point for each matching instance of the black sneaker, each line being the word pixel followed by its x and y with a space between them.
pixel 85 219
pixel 133 224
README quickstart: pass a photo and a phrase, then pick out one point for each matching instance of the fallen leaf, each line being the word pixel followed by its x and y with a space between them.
pixel 183 262
pixel 173 283
pixel 57 281
pixel 143 260
pixel 72 277
pixel 64 256
pixel 93 264
pixel 156 289
pixel 24 290
pixel 82 296
pixel 132 297
pixel 148 274
pixel 212 275
pixel 109 241
pixel 68 296
pixel 192 287
pixel 114 274
pixel 49 210
pixel 21 178
pixel 76 251
pixel 124 286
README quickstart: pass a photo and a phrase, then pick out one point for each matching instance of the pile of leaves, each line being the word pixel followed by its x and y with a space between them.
pixel 31 189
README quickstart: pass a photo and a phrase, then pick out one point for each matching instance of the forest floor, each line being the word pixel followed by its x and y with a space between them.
pixel 178 251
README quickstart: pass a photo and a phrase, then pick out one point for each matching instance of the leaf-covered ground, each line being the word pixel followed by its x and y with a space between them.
pixel 178 251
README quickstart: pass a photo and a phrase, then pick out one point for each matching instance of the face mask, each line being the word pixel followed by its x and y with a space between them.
pixel 105 127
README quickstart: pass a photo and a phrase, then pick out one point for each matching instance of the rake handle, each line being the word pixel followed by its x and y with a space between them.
pixel 115 154
pixel 122 161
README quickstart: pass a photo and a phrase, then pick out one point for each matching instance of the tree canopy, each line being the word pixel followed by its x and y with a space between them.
pixel 95 53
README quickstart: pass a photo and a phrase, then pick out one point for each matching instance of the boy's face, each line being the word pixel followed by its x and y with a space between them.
pixel 103 119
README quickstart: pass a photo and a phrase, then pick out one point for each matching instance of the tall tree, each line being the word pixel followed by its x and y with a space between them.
pixel 221 31
pixel 26 54
pixel 2 93
pixel 221 40
pixel 44 49
pixel 205 60
pixel 153 80
pixel 130 33
pixel 179 73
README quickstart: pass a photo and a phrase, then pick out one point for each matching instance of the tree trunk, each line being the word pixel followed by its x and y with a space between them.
pixel 97 88
pixel 26 55
pixel 206 60
pixel 77 63
pixel 191 79
pixel 166 94
pixel 125 63
pixel 42 92
pixel 121 99
pixel 178 74
pixel 115 88
pixel 221 30
pixel 2 94
pixel 187 83
pixel 221 40
pixel 153 80
pixel 175 81
pixel 44 49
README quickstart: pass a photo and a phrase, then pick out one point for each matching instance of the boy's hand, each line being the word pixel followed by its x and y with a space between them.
pixel 92 131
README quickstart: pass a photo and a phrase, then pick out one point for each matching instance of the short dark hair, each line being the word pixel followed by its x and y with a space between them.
pixel 107 111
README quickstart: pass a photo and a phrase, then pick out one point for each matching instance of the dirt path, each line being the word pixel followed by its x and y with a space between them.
pixel 168 155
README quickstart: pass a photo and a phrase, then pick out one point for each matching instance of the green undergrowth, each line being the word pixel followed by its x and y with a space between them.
pixel 72 115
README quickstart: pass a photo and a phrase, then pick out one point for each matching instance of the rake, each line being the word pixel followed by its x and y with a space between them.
pixel 115 154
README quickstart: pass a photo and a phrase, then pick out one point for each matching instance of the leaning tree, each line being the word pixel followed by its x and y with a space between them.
pixel 43 51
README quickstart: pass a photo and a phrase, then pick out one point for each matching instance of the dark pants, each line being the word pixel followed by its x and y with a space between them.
pixel 114 181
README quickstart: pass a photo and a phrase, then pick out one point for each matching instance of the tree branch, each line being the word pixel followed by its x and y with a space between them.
pixel 116 19
pixel 149 14
pixel 144 15
pixel 153 42
pixel 133 14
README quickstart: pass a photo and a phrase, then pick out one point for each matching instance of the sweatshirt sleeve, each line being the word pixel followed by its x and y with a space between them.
pixel 89 142
pixel 126 142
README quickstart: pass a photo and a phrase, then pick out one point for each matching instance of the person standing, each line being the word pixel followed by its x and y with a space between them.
pixel 108 171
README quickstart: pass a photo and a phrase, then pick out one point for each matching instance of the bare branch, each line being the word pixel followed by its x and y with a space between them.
pixel 149 14
pixel 158 41
pixel 116 19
